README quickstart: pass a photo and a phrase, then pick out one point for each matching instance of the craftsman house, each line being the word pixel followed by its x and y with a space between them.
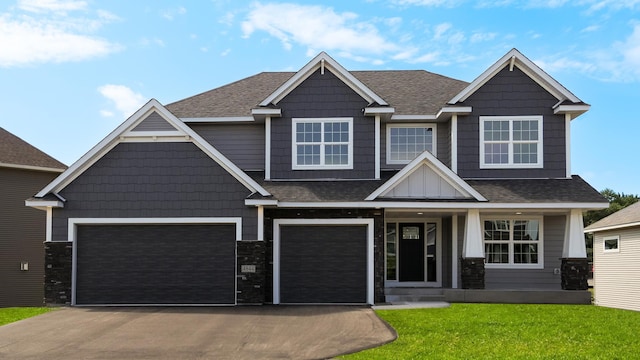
pixel 330 186
pixel 23 171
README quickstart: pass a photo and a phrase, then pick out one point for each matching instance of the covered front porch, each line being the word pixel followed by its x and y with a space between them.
pixel 485 255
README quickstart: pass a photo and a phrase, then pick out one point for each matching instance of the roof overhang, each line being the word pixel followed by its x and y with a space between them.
pixel 43 204
pixel 31 167
pixel 262 113
pixel 442 205
pixel 574 110
pixel 226 119
pixel 610 227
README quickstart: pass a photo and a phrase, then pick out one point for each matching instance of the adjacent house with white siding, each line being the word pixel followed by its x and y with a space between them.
pixel 616 259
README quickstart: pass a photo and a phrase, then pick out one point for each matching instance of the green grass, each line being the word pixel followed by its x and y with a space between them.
pixel 9 315
pixel 505 331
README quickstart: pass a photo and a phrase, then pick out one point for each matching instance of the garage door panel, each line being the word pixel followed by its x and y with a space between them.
pixel 155 264
pixel 323 264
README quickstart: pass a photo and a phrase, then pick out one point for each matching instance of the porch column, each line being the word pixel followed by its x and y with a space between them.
pixel 575 265
pixel 472 260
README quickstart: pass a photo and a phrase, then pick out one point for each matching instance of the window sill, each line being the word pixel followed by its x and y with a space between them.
pixel 515 266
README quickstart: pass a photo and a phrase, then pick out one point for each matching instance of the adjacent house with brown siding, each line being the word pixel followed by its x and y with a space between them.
pixel 23 171
pixel 616 259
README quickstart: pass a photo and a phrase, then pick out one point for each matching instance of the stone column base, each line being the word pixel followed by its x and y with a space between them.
pixel 57 272
pixel 251 272
pixel 472 275
pixel 574 274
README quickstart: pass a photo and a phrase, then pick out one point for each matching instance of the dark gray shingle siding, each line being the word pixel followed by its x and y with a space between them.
pixel 154 122
pixel 243 144
pixel 155 180
pixel 511 93
pixel 322 96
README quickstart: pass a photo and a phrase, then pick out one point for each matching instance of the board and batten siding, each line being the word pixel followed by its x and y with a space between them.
pixel 616 275
pixel 155 180
pixel 243 144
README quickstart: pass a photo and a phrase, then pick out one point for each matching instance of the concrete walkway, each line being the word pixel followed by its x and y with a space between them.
pixel 243 332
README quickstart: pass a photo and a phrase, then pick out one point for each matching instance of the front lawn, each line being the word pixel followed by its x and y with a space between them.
pixel 506 331
pixel 9 315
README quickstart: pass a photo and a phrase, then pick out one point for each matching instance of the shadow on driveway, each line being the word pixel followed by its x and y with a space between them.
pixel 243 332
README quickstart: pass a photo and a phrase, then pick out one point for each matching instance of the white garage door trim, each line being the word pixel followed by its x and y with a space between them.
pixel 276 249
pixel 72 237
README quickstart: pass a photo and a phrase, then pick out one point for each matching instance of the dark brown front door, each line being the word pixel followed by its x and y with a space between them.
pixel 411 251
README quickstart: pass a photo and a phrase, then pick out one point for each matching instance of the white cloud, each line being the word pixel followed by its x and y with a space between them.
pixel 440 30
pixel 125 100
pixel 482 36
pixel 59 6
pixel 430 3
pixel 46 33
pixel 315 26
pixel 171 14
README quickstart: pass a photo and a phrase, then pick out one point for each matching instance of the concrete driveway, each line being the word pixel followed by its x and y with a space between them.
pixel 244 332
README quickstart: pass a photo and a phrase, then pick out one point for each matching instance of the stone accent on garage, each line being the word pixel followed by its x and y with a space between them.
pixel 251 272
pixel 57 278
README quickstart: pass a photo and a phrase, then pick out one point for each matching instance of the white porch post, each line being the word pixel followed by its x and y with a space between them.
pixel 575 266
pixel 472 261
pixel 472 245
pixel 574 245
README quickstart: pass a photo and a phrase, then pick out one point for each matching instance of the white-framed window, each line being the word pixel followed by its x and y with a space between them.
pixel 406 141
pixel 322 143
pixel 513 243
pixel 611 244
pixel 511 142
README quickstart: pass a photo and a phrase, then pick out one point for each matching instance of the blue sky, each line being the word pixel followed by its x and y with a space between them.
pixel 73 70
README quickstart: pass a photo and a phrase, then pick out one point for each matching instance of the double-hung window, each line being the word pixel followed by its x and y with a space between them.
pixel 513 243
pixel 322 143
pixel 510 142
pixel 406 141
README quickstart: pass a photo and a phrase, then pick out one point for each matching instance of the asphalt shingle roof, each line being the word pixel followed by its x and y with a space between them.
pixel 410 92
pixel 628 215
pixel 15 151
pixel 574 190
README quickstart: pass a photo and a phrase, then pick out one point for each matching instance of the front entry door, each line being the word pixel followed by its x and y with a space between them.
pixel 412 256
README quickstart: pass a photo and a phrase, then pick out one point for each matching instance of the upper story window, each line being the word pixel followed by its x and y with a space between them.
pixel 322 143
pixel 406 141
pixel 513 243
pixel 510 142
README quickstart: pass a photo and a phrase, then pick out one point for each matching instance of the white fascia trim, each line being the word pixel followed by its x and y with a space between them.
pixel 44 203
pixel 571 109
pixel 343 221
pixel 114 138
pixel 223 119
pixel 442 205
pixel 260 202
pixel 611 227
pixel 455 110
pixel 73 222
pixel 323 59
pixel 267 111
pixel 430 160
pixel 524 64
pixel 30 167
pixel 413 117
pixel 369 111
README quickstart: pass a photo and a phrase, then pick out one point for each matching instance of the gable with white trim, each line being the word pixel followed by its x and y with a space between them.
pixel 151 123
pixel 426 178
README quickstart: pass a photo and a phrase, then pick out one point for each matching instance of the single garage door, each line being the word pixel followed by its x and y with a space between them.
pixel 323 264
pixel 155 264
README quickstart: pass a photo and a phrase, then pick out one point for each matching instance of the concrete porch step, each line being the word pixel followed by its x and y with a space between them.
pixel 413 294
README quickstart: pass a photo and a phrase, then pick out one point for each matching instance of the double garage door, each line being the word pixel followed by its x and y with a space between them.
pixel 155 264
